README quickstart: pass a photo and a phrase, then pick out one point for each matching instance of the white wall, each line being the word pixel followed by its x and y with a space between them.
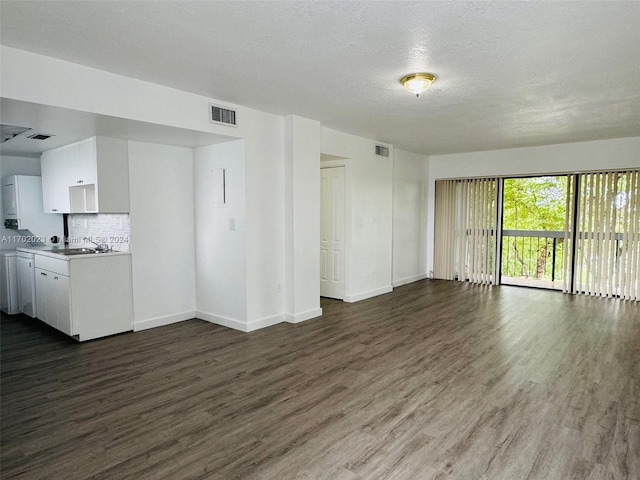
pixel 36 78
pixel 264 163
pixel 368 212
pixel 14 166
pixel 221 263
pixel 410 183
pixel 562 158
pixel 302 218
pixel 162 231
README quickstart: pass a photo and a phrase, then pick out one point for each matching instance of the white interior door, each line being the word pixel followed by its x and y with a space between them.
pixel 332 233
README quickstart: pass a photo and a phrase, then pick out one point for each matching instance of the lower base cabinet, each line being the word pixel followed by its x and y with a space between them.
pixel 85 297
pixel 53 300
pixel 26 285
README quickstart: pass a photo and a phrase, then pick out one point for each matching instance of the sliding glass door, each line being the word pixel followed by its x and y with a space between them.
pixel 534 231
pixel 579 233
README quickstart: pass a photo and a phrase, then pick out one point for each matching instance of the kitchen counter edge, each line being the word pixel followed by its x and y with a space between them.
pixel 60 256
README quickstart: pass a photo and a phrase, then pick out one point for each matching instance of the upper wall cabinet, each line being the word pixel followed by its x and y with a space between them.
pixel 55 167
pixel 87 177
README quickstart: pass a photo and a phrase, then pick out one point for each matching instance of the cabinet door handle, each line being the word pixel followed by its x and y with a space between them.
pixel 44 274
pixel 55 278
pixel 54 209
pixel 29 263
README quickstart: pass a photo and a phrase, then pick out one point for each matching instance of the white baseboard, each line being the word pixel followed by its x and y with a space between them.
pixel 226 321
pixel 223 321
pixel 364 295
pixel 302 316
pixel 404 281
pixel 162 321
pixel 265 322
pixel 239 324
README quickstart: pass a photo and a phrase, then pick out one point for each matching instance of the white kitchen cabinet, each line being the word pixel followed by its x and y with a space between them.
pixel 88 296
pixel 53 299
pixel 61 294
pixel 23 208
pixel 8 283
pixel 26 285
pixel 92 175
pixel 44 298
pixel 86 170
pixel 56 171
pixel 10 200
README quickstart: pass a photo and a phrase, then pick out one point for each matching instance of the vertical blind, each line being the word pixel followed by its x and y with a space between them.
pixel 568 244
pixel 601 236
pixel 465 223
pixel 608 243
pixel 444 261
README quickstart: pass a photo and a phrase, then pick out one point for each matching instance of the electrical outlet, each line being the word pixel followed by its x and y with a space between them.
pixel 279 288
pixel 232 224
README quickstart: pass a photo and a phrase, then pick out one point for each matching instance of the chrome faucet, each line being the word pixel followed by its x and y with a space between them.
pixel 100 247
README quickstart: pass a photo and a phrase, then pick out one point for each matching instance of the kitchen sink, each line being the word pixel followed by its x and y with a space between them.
pixel 74 251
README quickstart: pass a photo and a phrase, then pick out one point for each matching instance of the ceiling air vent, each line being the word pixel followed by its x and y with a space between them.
pixel 39 136
pixel 382 151
pixel 222 115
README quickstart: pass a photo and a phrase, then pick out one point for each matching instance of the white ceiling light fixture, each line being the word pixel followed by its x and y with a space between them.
pixel 418 82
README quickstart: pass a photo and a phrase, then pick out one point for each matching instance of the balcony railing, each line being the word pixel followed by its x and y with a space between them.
pixel 533 258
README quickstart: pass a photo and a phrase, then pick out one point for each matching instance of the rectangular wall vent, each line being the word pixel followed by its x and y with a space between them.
pixel 382 151
pixel 222 115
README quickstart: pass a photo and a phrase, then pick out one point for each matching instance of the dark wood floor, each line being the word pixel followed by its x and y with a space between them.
pixel 436 380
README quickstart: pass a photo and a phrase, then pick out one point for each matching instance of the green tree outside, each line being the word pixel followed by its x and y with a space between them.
pixel 534 204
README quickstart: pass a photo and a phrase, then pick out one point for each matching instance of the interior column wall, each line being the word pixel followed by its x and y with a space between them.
pixel 302 218
pixel 264 176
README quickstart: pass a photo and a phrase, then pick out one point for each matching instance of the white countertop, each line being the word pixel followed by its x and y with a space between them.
pixel 49 251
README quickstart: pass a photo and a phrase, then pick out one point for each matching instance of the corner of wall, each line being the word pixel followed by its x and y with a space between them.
pixel 162 321
pixel 357 297
pixel 303 316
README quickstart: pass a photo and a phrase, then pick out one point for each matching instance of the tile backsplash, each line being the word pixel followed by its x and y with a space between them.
pixel 113 229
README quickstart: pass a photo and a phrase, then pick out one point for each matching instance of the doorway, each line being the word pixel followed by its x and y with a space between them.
pixel 534 226
pixel 332 232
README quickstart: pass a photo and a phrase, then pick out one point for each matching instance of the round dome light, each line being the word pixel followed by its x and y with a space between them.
pixel 417 82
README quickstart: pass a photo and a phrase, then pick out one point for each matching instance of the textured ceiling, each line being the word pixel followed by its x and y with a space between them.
pixel 509 73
